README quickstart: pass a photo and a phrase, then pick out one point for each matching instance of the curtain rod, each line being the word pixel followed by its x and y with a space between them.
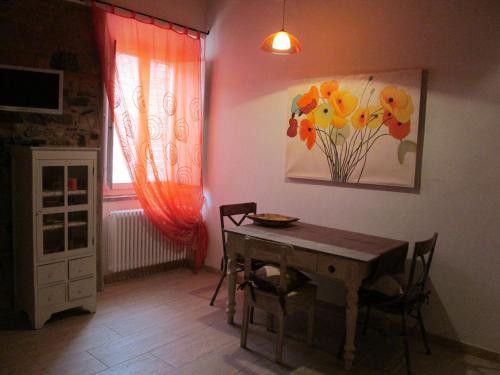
pixel 153 17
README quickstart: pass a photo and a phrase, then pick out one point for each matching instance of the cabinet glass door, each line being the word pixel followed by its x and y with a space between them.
pixel 78 183
pixel 65 208
pixel 53 233
pixel 78 230
pixel 52 186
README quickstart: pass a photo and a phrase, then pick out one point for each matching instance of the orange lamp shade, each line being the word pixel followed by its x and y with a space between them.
pixel 281 43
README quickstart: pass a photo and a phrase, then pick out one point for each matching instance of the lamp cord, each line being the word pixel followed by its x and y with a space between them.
pixel 283 21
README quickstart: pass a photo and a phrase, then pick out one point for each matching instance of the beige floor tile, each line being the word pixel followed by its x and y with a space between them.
pixel 153 337
pixel 144 364
pixel 227 359
pixel 163 324
pixel 75 364
pixel 191 347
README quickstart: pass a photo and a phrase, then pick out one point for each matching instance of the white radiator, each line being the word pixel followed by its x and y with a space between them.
pixel 133 242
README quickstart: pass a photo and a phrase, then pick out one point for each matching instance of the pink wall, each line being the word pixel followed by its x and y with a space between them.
pixel 457 41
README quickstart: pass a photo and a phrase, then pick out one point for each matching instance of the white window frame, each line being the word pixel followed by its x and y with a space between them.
pixel 111 189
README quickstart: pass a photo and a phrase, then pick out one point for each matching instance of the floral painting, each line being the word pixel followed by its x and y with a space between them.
pixel 359 129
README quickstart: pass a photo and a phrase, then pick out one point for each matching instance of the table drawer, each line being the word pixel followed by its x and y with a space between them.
pixel 332 266
pixel 82 288
pixel 81 267
pixel 51 273
pixel 52 295
pixel 302 259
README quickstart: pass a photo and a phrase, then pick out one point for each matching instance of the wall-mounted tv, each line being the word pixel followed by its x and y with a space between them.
pixel 31 90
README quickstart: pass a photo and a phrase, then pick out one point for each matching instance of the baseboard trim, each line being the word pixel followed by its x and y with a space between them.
pixel 211 269
pixel 144 271
pixel 433 338
pixel 465 348
pixel 440 340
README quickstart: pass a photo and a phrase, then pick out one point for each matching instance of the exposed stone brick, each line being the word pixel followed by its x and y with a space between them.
pixel 63 60
pixel 80 101
pixel 10 117
pixel 46 34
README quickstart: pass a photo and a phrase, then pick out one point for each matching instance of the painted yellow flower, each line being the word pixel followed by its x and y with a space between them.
pixel 360 118
pixel 309 101
pixel 343 103
pixel 367 117
pixel 323 115
pixel 339 122
pixel 328 88
pixel 397 102
pixel 376 117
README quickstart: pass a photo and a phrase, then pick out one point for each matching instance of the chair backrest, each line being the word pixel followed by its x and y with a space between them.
pixel 267 251
pixel 237 213
pixel 423 253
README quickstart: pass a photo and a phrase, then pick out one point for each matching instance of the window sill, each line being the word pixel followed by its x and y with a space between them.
pixel 119 197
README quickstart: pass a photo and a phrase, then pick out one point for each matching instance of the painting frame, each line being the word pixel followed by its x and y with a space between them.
pixel 415 118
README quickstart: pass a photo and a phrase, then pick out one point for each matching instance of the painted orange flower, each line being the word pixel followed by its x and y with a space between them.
pixel 397 129
pixel 328 88
pixel 388 118
pixel 397 102
pixel 307 133
pixel 309 101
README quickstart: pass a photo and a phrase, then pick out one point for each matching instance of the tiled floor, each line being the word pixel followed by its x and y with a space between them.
pixel 162 324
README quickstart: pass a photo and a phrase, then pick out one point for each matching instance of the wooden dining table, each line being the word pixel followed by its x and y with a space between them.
pixel 349 257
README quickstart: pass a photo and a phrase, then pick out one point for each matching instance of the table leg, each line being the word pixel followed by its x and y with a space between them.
pixel 352 287
pixel 231 291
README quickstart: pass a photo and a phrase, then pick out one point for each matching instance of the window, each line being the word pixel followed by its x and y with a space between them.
pixel 117 179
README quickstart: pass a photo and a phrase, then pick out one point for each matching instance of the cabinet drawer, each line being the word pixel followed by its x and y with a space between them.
pixel 332 266
pixel 303 260
pixel 81 267
pixel 82 288
pixel 52 295
pixel 51 273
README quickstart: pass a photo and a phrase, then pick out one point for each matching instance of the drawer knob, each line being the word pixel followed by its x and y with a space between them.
pixel 49 298
pixel 50 275
pixel 331 269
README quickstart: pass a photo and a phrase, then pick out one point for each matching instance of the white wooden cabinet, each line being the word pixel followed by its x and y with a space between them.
pixel 54 208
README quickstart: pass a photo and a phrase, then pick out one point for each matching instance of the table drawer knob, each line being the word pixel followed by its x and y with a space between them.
pixel 331 269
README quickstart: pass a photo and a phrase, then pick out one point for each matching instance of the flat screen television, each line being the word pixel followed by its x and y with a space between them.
pixel 31 90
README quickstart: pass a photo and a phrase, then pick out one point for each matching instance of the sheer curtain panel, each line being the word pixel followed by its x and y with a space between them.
pixel 152 75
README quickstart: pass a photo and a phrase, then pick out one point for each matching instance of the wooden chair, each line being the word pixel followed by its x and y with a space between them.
pixel 281 303
pixel 236 213
pixel 408 303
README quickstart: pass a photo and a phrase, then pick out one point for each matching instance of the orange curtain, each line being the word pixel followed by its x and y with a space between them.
pixel 152 76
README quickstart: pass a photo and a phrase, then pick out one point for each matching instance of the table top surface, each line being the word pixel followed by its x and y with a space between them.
pixel 353 245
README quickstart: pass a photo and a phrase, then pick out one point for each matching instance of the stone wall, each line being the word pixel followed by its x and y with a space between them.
pixel 50 34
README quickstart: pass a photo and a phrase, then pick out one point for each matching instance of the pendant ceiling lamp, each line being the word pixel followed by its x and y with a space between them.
pixel 282 42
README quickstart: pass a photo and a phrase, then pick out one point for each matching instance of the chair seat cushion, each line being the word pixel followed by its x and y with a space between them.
pixel 240 261
pixel 386 286
pixel 267 278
